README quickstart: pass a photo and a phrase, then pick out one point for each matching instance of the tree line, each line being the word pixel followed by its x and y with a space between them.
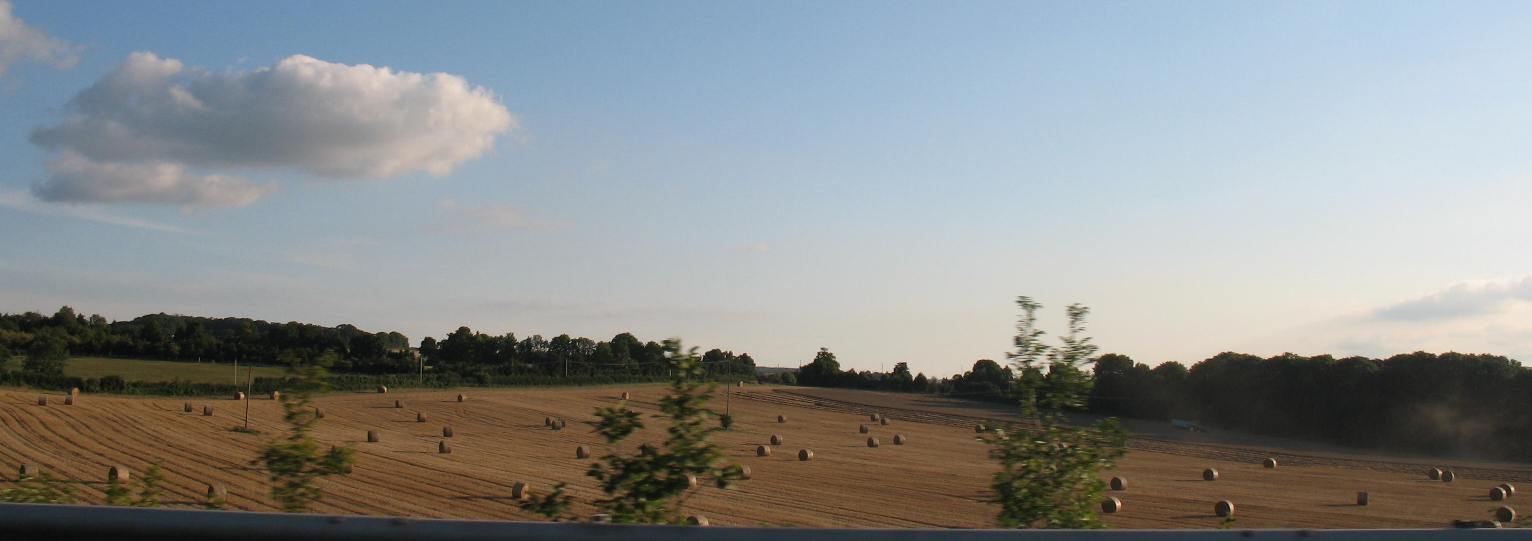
pixel 1471 404
pixel 461 357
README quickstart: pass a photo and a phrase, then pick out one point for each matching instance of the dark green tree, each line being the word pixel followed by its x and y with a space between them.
pixel 47 355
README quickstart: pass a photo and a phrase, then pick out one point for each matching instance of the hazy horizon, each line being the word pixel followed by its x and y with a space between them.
pixel 882 179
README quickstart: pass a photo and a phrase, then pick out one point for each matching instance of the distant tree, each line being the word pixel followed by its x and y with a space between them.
pixel 823 371
pixel 902 379
pixel 46 355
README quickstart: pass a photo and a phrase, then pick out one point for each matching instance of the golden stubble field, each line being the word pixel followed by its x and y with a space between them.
pixel 937 479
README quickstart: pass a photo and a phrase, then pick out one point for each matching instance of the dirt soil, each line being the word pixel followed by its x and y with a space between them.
pixel 937 479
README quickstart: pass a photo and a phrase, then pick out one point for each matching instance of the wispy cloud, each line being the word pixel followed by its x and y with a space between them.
pixel 753 248
pixel 24 202
pixel 461 218
pixel 22 43
pixel 1460 300
pixel 1486 316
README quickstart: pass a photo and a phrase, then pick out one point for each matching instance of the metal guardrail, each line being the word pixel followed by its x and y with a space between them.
pixel 67 522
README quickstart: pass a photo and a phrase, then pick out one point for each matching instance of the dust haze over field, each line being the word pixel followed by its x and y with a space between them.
pixel 939 478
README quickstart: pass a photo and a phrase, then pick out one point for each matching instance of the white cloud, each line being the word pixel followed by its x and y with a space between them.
pixel 22 43
pixel 1461 300
pixel 24 202
pixel 1490 316
pixel 76 178
pixel 155 131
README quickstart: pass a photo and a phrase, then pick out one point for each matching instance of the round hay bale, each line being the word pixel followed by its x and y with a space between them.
pixel 420 417
pixel 776 439
pixel 781 418
pixel 398 404
pixel 1270 463
pixel 696 520
pixel 548 422
pixel 582 452
pixel 1448 476
pixel 382 389
pixel 318 413
pixel 1434 473
pixel 646 450
pixel 625 396
pixel 521 491
pixel 276 395
pixel 872 442
pixel 762 450
pixel 117 474
pixel 1497 494
pixel 1361 498
pixel 442 448
pixel 805 455
pixel 1111 505
pixel 187 407
pixel 691 481
pixel 1224 508
pixel 1510 489
pixel 69 400
pixel 207 411
pixel 1505 514
pixel 239 396
pixel 883 421
pixel 217 492
pixel 27 470
pixel 1210 474
pixel 462 398
pixel 863 429
pixel 563 423
pixel 74 391
pixel 1119 484
pixel 898 439
pixel 873 417
pixel 744 472
pixel 979 429
pixel 446 432
pixel 42 400
pixel 372 436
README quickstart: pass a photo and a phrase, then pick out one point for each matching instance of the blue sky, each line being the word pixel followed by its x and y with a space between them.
pixel 878 178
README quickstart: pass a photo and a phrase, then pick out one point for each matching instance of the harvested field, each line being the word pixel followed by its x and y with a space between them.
pixel 939 476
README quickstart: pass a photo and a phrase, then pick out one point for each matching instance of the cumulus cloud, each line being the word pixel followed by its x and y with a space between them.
pixel 1461 300
pixel 22 43
pixel 76 178
pixel 156 131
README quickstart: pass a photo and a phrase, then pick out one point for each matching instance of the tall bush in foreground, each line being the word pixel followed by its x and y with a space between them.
pixel 1049 473
pixel 294 464
pixel 652 488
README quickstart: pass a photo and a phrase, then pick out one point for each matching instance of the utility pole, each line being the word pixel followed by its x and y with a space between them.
pixel 249 386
